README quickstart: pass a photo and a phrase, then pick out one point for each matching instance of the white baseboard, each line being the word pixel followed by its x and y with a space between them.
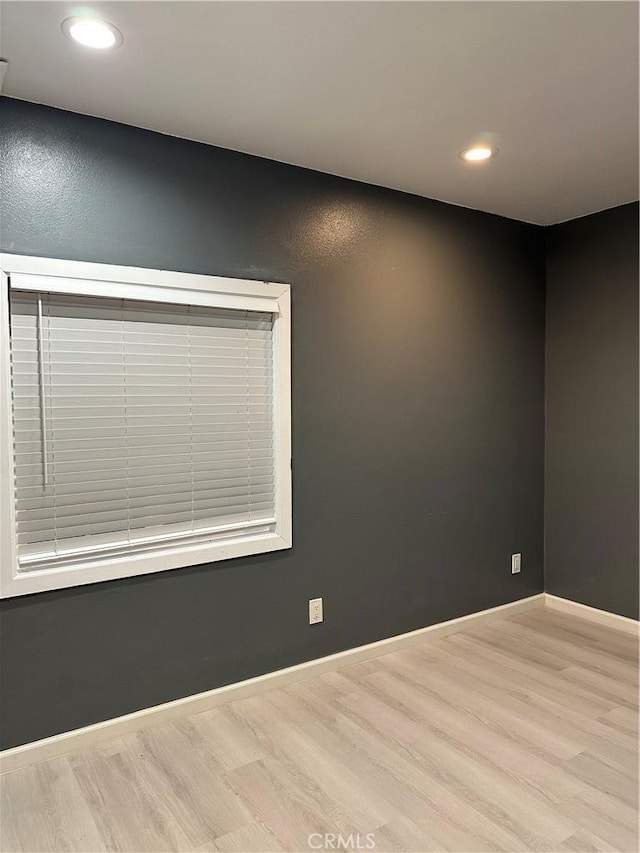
pixel 52 747
pixel 602 617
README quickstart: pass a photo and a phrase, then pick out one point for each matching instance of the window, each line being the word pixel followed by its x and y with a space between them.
pixel 145 421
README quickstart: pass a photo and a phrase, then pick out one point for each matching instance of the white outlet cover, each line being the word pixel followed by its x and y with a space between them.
pixel 315 611
pixel 516 563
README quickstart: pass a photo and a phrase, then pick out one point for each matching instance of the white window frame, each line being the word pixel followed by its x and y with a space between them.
pixel 93 279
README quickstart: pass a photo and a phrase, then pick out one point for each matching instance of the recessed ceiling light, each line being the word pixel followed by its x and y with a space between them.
pixel 92 32
pixel 478 153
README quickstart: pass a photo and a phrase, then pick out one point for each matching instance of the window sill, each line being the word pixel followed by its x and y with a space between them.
pixel 132 565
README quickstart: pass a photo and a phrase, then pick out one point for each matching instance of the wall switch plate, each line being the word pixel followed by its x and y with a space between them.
pixel 516 563
pixel 315 611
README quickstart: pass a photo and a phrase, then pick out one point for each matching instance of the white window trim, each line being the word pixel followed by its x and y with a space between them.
pixel 160 286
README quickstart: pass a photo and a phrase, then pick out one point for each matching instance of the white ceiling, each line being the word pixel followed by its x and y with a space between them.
pixel 384 92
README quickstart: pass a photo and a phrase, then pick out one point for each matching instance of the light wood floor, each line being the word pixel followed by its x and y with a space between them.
pixel 516 735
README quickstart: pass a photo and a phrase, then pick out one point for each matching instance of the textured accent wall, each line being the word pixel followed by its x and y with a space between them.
pixel 418 413
pixel 592 410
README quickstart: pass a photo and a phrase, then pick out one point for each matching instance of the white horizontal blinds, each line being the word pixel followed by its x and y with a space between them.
pixel 138 422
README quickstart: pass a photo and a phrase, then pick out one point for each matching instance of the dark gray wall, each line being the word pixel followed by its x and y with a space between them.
pixel 592 410
pixel 418 381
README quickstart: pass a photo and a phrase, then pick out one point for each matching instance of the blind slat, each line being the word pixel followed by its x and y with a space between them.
pixel 77 549
pixel 77 473
pixel 126 514
pixel 142 498
pixel 129 521
pixel 90 491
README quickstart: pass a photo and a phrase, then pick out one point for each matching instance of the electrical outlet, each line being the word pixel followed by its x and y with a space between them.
pixel 516 563
pixel 315 611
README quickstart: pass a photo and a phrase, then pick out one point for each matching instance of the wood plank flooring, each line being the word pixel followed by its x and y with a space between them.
pixel 517 735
